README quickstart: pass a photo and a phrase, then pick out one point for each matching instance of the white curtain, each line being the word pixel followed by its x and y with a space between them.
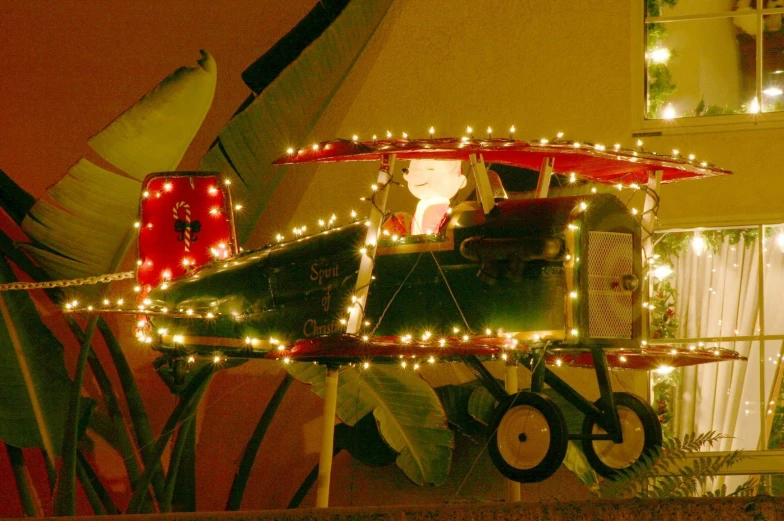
pixel 718 296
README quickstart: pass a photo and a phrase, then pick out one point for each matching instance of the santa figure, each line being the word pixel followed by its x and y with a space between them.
pixel 434 183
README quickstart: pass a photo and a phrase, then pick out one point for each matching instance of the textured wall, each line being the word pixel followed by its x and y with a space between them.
pixel 544 67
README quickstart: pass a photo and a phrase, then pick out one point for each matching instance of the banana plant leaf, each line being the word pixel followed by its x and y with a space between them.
pixel 34 384
pixel 292 91
pixel 13 199
pixel 409 415
pixel 79 228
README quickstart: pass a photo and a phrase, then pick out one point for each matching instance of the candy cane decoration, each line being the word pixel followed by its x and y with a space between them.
pixel 176 214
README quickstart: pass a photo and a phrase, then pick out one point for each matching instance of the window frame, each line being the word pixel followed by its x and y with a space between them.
pixel 641 126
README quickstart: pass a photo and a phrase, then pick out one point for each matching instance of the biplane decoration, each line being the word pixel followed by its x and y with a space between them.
pixel 565 276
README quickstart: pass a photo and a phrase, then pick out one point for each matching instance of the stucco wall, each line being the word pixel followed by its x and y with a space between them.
pixel 544 67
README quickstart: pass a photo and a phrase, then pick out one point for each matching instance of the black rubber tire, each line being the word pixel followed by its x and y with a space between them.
pixel 599 453
pixel 544 414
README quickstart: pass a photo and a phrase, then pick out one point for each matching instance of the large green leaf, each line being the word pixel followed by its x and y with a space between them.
pixel 34 385
pixel 78 230
pixel 13 199
pixel 289 105
pixel 407 410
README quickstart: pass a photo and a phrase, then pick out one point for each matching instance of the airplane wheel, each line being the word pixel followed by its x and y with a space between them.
pixel 529 437
pixel 641 433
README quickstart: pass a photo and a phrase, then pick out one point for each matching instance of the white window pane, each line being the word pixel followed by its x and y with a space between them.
pixel 699 68
pixel 773 64
pixel 687 7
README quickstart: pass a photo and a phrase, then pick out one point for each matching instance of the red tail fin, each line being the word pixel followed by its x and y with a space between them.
pixel 186 220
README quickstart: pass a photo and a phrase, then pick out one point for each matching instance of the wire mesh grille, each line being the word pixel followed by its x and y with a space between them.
pixel 610 257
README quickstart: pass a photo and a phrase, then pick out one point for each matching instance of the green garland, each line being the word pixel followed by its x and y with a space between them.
pixel 660 84
pixel 670 245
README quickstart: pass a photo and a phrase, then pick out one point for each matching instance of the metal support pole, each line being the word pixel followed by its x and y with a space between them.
pixel 513 491
pixel 327 437
pixel 537 370
pixel 612 423
pixel 483 187
pixel 545 173
pixel 376 218
pixel 763 437
pixel 648 223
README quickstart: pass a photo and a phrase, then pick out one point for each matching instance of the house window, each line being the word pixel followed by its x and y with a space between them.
pixel 713 61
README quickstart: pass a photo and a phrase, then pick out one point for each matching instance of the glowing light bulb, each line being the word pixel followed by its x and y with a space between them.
pixel 354 138
pixel 662 271
pixel 659 55
pixel 773 91
pixel 290 151
pixel 698 244
pixel 668 112
pixel 432 131
pixel 754 106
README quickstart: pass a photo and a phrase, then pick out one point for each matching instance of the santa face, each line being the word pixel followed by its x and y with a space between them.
pixel 433 179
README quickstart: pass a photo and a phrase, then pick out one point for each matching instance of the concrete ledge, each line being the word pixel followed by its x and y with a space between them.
pixel 702 509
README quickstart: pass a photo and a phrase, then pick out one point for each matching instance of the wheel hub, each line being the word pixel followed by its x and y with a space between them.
pixel 523 437
pixel 621 455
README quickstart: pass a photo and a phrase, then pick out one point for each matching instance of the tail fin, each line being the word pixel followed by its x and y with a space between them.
pixel 186 220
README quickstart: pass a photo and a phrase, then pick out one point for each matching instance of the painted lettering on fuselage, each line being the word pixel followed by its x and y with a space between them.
pixel 312 327
pixel 321 272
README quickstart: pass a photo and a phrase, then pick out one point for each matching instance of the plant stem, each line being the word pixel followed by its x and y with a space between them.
pixel 165 502
pixel 112 406
pixel 189 398
pixel 51 471
pixel 141 423
pixel 89 490
pixel 252 448
pixel 65 490
pixel 31 505
pixel 87 473
pixel 307 483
